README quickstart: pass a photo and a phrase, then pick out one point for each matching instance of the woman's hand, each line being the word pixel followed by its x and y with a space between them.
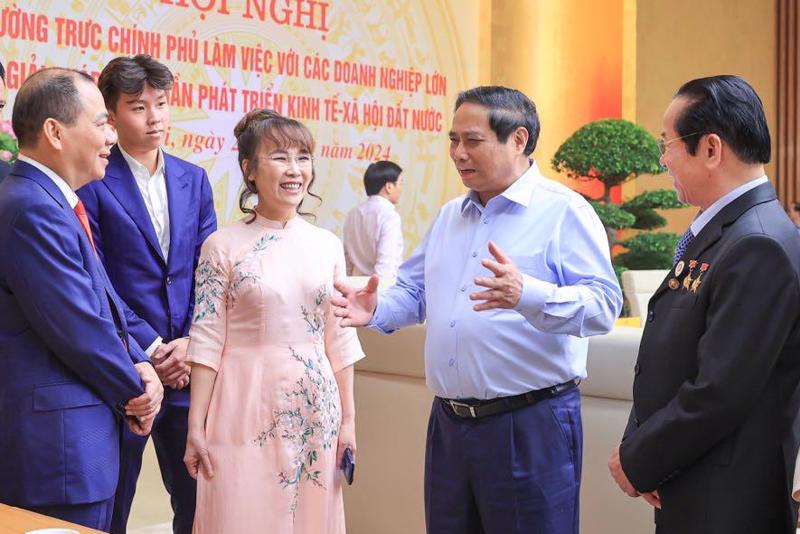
pixel 197 454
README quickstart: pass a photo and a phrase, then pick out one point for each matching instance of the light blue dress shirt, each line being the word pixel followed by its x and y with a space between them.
pixel 570 291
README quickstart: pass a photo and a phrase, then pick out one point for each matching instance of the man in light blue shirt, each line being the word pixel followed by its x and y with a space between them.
pixel 511 278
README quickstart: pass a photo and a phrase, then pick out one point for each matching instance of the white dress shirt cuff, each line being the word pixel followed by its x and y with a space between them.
pixel 153 346
pixel 382 319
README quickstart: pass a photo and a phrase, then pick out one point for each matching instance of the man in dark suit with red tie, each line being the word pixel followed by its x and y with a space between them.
pixel 70 373
pixel 710 442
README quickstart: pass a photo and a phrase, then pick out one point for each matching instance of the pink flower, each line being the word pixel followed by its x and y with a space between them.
pixel 5 127
pixel 5 155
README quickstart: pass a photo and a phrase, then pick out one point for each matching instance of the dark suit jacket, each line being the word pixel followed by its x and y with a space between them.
pixel 4 170
pixel 716 381
pixel 64 372
pixel 159 293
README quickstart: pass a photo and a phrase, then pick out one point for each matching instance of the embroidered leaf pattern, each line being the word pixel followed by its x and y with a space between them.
pixel 213 288
pixel 312 422
pixel 244 270
pixel 209 290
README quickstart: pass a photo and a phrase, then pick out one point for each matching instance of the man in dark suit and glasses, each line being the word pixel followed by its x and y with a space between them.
pixel 710 440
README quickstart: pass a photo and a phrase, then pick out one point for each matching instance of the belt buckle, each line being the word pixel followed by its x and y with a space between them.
pixel 455 405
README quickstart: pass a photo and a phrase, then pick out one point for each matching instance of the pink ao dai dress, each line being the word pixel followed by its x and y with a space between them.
pixel 264 322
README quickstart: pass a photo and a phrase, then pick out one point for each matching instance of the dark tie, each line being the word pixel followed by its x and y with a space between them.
pixel 683 244
pixel 80 211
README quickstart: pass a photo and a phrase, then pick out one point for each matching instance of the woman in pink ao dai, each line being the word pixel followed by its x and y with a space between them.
pixel 272 371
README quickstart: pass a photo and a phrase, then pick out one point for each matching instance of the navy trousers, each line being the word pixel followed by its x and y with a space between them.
pixel 169 438
pixel 513 473
pixel 96 515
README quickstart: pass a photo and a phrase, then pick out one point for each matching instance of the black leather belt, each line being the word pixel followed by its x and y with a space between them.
pixel 473 408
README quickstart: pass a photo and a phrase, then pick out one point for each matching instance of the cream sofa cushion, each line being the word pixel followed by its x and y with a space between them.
pixel 639 286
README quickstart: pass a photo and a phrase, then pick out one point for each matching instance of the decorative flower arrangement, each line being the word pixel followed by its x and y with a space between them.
pixel 8 143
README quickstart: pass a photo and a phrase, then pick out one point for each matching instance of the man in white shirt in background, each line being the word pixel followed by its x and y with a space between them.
pixel 373 232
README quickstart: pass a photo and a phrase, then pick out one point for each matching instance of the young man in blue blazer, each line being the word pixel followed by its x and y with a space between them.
pixel 149 217
pixel 70 372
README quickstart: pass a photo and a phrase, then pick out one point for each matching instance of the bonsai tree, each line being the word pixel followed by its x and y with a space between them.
pixel 614 151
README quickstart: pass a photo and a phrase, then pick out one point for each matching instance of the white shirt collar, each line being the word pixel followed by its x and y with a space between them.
pixel 385 202
pixel 140 170
pixel 519 192
pixel 63 186
pixel 703 218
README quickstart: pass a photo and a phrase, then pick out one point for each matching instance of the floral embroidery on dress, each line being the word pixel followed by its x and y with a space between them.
pixel 212 286
pixel 244 270
pixel 312 423
pixel 209 289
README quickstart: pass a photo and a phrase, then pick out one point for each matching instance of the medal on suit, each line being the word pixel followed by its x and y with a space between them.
pixel 698 281
pixel 673 284
pixel 687 282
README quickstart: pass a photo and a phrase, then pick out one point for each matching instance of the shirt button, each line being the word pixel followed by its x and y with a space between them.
pixel 474 254
pixel 486 221
pixel 169 280
pixel 452 362
pixel 463 288
pixel 452 324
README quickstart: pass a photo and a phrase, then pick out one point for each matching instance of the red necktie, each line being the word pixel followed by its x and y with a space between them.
pixel 80 211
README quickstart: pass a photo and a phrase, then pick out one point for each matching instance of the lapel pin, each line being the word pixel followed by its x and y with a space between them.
pixel 679 268
pixel 673 284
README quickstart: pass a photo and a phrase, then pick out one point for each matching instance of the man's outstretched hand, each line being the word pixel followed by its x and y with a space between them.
pixel 355 306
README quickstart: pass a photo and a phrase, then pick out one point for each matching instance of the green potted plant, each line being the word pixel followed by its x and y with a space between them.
pixel 614 151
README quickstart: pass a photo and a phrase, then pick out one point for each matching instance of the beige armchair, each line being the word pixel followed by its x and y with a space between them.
pixel 639 286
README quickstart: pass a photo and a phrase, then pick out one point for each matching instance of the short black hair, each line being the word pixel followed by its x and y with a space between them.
pixel 2 72
pixel 729 107
pixel 379 174
pixel 129 74
pixel 796 206
pixel 508 110
pixel 45 94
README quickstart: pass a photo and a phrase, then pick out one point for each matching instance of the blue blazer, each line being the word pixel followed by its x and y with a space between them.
pixel 64 373
pixel 159 293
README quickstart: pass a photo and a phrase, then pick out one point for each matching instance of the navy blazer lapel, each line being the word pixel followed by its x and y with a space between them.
pixel 26 170
pixel 177 180
pixel 93 265
pixel 713 230
pixel 122 184
pixel 30 172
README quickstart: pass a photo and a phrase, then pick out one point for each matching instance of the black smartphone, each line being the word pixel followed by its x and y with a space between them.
pixel 348 466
